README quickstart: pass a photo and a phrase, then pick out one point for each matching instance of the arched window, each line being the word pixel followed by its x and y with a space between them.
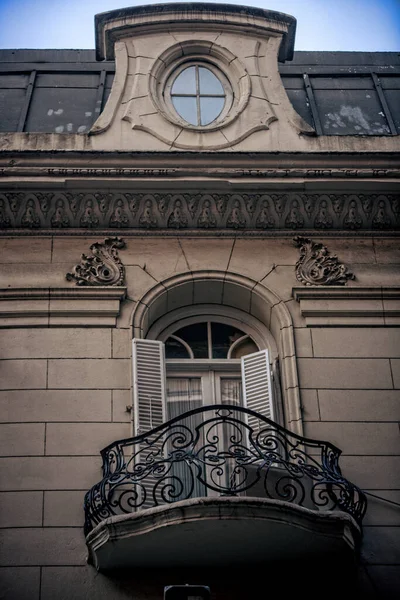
pixel 197 362
pixel 203 365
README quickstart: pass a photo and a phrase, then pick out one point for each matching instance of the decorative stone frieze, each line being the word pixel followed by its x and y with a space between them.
pixel 104 267
pixel 252 210
pixel 317 267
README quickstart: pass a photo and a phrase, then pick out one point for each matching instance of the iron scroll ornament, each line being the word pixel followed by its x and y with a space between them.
pixel 228 450
pixel 103 267
pixel 317 267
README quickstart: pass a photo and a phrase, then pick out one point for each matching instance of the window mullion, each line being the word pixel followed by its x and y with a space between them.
pixel 198 96
pixel 209 340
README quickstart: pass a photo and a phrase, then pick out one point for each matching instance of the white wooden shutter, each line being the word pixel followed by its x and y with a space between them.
pixel 149 401
pixel 149 390
pixel 257 388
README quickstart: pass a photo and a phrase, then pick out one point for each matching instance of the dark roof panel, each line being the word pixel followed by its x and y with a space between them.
pixel 338 93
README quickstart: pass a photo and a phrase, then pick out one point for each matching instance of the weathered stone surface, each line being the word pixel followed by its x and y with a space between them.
pixel 381 545
pixel 25 250
pixel 19 583
pixel 44 546
pixel 339 373
pixel 395 366
pixel 359 405
pixel 386 580
pixel 377 473
pixel 63 508
pixel 49 473
pixel 350 342
pixel 67 439
pixel 383 513
pixel 207 253
pixel 387 250
pixel 309 402
pixel 121 343
pixel 22 439
pixel 304 346
pixel 22 374
pixel 56 343
pixel 121 399
pixel 366 439
pixel 21 509
pixel 79 583
pixel 89 374
pixel 55 405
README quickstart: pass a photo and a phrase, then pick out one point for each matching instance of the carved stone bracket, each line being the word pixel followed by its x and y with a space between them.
pixel 317 267
pixel 103 267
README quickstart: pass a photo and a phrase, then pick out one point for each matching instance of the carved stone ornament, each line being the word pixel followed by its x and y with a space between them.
pixel 251 211
pixel 103 267
pixel 317 267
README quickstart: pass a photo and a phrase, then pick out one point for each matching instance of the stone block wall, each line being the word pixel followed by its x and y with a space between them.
pixel 65 386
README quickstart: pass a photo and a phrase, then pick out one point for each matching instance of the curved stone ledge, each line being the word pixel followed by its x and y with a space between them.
pixel 219 531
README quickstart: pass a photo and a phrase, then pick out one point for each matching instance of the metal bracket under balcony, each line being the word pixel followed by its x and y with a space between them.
pixel 220 485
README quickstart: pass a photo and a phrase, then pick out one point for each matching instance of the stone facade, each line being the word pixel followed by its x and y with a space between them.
pixel 202 231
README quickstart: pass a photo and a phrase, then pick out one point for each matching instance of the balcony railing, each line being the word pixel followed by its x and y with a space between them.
pixel 220 450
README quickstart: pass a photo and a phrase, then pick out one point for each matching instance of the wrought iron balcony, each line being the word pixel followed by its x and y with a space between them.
pixel 215 451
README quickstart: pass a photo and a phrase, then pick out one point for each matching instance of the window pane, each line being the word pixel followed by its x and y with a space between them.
pixel 196 337
pixel 185 83
pixel 210 108
pixel 183 394
pixel 223 337
pixel 247 346
pixel 209 83
pixel 186 108
pixel 174 349
pixel 231 391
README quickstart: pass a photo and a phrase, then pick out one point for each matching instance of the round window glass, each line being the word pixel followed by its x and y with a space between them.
pixel 198 95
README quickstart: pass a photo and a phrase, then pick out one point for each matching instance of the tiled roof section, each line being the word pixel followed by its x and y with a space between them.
pixel 338 93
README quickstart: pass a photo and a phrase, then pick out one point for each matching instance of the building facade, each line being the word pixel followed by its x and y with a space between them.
pixel 201 189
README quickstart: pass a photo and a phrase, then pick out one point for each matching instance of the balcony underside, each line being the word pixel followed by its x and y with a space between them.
pixel 220 531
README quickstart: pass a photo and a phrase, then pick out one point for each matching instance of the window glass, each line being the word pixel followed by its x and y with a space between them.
pixel 209 83
pixel 185 83
pixel 198 95
pixel 174 349
pixel 210 109
pixel 186 107
pixel 223 337
pixel 196 337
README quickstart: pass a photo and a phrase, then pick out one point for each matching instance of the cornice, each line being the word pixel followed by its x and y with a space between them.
pixel 356 306
pixel 60 307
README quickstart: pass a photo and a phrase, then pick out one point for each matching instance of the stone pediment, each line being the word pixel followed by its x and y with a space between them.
pixel 194 77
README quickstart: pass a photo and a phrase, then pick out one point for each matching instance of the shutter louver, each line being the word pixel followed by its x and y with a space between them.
pixel 257 389
pixel 148 385
pixel 149 391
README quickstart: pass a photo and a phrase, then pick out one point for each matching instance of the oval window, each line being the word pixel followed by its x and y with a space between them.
pixel 199 94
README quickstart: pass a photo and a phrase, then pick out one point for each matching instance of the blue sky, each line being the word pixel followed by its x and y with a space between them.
pixel 369 25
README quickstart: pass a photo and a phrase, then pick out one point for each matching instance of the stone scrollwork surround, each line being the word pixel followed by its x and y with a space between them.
pixel 317 267
pixel 103 267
